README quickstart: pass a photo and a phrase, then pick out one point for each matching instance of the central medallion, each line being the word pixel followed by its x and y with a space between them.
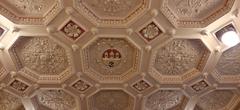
pixel 111 57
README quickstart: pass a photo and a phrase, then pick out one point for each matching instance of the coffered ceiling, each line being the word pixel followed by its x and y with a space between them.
pixel 118 55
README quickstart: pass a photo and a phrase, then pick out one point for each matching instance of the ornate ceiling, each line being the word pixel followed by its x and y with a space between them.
pixel 118 55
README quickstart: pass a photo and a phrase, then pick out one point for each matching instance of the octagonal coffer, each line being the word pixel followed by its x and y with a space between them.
pixel 111 12
pixel 180 56
pixel 178 60
pixel 111 59
pixel 195 13
pixel 40 58
pixel 30 11
pixel 111 100
pixel 216 100
pixel 229 62
pixel 166 100
pixel 56 100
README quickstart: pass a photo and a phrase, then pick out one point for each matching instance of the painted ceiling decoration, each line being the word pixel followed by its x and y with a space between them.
pixel 118 55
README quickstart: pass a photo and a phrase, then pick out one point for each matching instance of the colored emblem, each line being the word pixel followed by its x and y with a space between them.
pixel 111 57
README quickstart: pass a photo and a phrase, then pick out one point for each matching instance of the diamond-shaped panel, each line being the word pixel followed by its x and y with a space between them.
pixel 141 85
pixel 150 31
pixel 72 30
pixel 81 85
pixel 200 86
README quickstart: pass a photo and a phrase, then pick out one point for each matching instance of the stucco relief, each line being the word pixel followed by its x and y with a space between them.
pixel 30 11
pixel 215 100
pixel 195 13
pixel 40 54
pixel 194 9
pixel 111 100
pixel 35 7
pixel 112 8
pixel 229 62
pixel 164 100
pixel 111 11
pixel 9 102
pixel 179 56
pixel 56 100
